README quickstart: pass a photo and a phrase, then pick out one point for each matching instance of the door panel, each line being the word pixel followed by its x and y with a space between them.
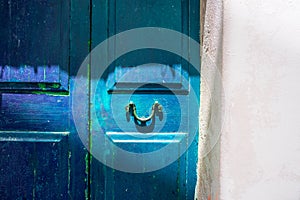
pixel 34 53
pixel 115 90
pixel 151 13
pixel 33 112
pixel 41 154
pixel 34 170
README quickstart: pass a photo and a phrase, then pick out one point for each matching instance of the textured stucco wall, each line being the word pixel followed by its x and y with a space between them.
pixel 257 53
pixel 260 142
pixel 211 99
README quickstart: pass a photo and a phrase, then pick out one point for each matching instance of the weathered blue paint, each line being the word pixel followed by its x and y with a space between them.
pixel 42 46
pixel 41 155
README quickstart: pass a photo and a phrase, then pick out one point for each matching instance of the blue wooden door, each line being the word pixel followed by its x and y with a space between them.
pixel 143 76
pixel 43 156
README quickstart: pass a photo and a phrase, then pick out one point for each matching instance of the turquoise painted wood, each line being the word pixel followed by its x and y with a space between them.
pixel 178 180
pixel 43 44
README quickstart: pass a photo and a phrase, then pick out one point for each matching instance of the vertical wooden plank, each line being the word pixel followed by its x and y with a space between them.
pixel 100 174
pixel 79 49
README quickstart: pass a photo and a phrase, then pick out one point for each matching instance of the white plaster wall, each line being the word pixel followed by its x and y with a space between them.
pixel 260 142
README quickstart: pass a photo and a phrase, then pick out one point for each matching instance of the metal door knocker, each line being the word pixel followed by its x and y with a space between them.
pixel 131 109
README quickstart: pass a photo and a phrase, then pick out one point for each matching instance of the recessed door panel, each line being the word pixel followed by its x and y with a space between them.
pixel 34 53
